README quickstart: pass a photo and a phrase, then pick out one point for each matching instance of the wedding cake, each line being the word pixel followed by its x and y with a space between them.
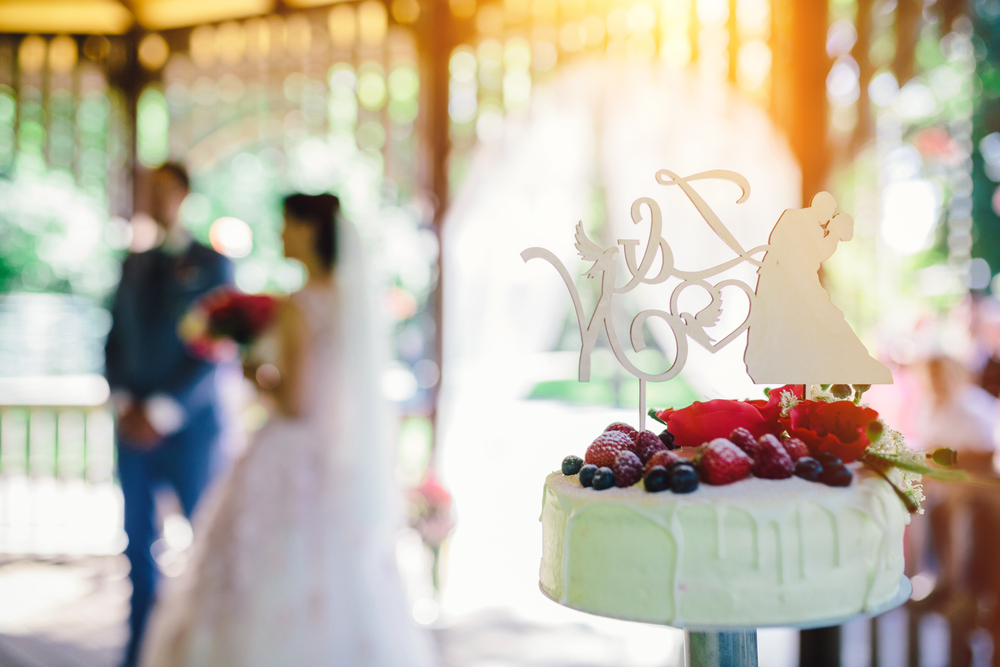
pixel 781 511
pixel 754 552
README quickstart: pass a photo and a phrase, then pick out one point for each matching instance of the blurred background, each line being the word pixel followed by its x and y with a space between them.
pixel 458 133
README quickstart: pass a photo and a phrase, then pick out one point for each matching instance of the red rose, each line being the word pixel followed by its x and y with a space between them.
pixel 840 427
pixel 701 422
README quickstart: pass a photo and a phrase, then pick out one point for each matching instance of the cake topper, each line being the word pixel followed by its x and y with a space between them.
pixel 796 334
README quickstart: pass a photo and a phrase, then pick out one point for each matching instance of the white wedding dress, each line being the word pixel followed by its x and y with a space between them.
pixel 293 561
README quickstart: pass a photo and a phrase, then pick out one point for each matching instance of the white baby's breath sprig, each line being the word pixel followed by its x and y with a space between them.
pixel 819 392
pixel 787 401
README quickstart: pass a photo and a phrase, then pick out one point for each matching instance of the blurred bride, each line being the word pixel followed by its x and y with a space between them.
pixel 293 561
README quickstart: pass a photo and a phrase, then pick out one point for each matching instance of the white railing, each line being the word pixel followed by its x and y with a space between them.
pixel 58 491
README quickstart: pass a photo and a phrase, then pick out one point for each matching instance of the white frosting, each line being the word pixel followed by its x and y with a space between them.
pixel 757 552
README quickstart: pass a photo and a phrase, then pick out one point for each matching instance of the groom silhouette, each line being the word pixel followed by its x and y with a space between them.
pixel 169 415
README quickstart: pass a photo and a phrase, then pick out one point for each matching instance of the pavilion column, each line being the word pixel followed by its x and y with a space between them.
pixel 799 76
pixel 436 39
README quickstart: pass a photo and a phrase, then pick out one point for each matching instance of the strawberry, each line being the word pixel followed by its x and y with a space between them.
pixel 647 443
pixel 795 448
pixel 605 448
pixel 722 462
pixel 772 462
pixel 624 428
pixel 664 458
pixel 627 468
pixel 744 439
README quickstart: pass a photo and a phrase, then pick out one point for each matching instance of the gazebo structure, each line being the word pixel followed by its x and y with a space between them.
pixel 384 102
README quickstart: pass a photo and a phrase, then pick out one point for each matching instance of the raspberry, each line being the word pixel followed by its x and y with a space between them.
pixel 722 462
pixel 744 439
pixel 772 462
pixel 661 458
pixel 648 443
pixel 795 448
pixel 627 469
pixel 623 428
pixel 605 448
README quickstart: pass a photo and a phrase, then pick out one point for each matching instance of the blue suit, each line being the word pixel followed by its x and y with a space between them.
pixel 145 357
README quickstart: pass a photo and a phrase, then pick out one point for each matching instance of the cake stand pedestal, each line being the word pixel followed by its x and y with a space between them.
pixel 737 647
pixel 721 649
pixel 731 646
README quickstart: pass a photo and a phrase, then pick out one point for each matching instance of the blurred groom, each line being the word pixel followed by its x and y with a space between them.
pixel 170 419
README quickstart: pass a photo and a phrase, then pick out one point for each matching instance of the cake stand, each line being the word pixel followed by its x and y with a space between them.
pixel 733 646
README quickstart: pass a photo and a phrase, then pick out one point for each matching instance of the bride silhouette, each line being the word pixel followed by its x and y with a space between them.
pixel 293 561
pixel 796 335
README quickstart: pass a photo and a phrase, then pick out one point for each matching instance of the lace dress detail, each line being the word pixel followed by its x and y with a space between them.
pixel 283 570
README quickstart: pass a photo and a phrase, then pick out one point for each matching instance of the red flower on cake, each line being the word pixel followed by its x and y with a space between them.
pixel 770 409
pixel 703 422
pixel 840 427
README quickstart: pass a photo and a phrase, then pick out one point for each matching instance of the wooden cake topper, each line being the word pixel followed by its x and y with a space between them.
pixel 796 334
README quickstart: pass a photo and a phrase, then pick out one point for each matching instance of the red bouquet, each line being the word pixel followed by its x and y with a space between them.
pixel 225 319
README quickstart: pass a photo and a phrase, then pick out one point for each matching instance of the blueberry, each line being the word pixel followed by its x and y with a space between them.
pixel 657 479
pixel 604 478
pixel 683 479
pixel 828 459
pixel 571 465
pixel 808 468
pixel 667 438
pixel 680 462
pixel 587 474
pixel 836 476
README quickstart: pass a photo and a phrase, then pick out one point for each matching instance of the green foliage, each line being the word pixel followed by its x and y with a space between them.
pixel 56 238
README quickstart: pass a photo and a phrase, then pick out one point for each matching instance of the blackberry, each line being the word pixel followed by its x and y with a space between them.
pixel 587 474
pixel 604 478
pixel 571 465
pixel 808 468
pixel 667 438
pixel 657 479
pixel 836 476
pixel 828 459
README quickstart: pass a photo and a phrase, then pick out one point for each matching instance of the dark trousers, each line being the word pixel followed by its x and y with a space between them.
pixel 186 461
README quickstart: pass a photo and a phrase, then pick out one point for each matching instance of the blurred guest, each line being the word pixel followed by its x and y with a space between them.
pixel 963 521
pixel 169 415
pixel 960 414
pixel 984 326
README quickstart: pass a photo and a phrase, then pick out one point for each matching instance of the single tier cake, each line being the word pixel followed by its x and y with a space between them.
pixel 753 553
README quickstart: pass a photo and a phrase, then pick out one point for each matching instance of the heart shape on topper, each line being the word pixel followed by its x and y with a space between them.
pixel 698 331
